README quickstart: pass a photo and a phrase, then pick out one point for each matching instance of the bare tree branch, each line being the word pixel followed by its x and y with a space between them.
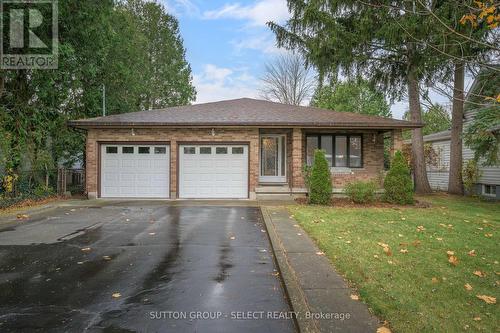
pixel 287 80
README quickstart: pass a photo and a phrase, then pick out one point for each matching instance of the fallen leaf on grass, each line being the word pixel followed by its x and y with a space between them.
pixel 467 286
pixel 472 253
pixel 453 260
pixel 488 235
pixel 355 297
pixel 477 318
pixel 383 330
pixel 434 280
pixel 116 295
pixel 479 273
pixel 487 299
pixel 439 238
pixel 386 248
pixel 403 251
pixel 416 243
pixel 420 228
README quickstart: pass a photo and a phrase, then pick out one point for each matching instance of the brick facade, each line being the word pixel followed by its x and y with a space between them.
pixel 373 150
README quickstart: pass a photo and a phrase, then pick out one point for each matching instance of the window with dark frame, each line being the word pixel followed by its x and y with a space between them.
pixel 341 150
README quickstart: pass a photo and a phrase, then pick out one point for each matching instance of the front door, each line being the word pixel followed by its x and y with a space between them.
pixel 272 159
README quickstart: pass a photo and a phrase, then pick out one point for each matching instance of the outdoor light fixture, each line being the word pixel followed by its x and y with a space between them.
pixel 132 132
pixel 213 132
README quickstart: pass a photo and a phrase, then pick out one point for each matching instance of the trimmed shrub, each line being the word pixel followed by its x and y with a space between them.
pixel 320 182
pixel 398 185
pixel 361 192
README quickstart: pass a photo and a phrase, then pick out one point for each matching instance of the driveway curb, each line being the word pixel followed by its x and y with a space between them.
pixel 292 288
pixel 311 282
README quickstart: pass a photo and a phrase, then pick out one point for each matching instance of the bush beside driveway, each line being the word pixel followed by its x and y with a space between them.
pixel 419 268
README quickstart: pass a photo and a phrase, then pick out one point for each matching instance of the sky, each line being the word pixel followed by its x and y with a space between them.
pixel 228 44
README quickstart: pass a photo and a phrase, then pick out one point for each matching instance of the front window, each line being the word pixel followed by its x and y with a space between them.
pixel 340 150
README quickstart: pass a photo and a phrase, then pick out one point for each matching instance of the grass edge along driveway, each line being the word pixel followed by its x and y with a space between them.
pixel 415 267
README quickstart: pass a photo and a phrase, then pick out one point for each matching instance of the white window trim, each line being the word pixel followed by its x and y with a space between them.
pixel 483 190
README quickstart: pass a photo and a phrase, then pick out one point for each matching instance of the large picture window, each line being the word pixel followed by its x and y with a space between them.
pixel 341 150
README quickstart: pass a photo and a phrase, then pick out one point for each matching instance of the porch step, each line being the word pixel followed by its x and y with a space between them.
pixel 274 197
pixel 273 189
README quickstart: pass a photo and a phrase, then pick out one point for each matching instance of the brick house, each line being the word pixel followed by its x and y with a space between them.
pixel 243 148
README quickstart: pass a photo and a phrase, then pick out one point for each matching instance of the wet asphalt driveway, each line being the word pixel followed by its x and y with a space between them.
pixel 167 266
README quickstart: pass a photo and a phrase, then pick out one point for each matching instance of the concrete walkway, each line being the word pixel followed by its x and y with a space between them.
pixel 311 282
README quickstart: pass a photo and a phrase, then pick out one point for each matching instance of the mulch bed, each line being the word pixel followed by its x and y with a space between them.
pixel 346 203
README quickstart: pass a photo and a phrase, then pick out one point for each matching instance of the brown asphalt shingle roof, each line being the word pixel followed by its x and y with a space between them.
pixel 244 112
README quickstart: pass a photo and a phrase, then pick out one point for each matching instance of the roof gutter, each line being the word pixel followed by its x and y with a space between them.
pixel 104 125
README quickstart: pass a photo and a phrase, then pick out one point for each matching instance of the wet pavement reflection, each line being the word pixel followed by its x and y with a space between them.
pixel 143 268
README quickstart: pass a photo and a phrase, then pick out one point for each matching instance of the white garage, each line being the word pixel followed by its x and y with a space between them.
pixel 213 171
pixel 135 171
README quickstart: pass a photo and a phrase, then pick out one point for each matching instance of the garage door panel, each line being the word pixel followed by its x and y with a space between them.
pixel 218 174
pixel 126 173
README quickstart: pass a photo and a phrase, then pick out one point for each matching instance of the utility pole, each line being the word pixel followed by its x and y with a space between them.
pixel 103 100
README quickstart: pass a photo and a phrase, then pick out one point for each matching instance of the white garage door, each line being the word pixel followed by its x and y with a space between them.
pixel 135 171
pixel 213 171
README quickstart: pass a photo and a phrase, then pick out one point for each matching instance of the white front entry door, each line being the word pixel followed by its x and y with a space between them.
pixel 135 171
pixel 272 158
pixel 213 171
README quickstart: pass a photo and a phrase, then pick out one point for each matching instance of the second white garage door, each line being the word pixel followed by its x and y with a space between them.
pixel 213 171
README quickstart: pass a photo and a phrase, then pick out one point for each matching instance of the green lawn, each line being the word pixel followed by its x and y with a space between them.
pixel 417 291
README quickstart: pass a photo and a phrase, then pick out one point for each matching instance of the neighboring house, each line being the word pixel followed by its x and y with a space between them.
pixel 243 148
pixel 438 172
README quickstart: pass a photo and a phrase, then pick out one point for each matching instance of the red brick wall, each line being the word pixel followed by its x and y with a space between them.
pixel 373 159
pixel 372 149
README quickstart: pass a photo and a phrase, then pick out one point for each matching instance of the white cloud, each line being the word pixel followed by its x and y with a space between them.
pixel 219 83
pixel 181 7
pixel 263 42
pixel 257 15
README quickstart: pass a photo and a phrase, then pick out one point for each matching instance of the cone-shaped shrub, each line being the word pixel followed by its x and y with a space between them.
pixel 320 182
pixel 397 183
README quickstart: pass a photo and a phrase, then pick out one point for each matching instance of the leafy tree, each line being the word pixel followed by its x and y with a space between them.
pixel 352 96
pixel 436 119
pixel 483 133
pixel 320 183
pixel 398 187
pixel 377 41
pixel 138 56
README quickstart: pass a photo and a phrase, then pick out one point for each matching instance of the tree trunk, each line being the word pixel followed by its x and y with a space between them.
pixel 417 141
pixel 455 185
